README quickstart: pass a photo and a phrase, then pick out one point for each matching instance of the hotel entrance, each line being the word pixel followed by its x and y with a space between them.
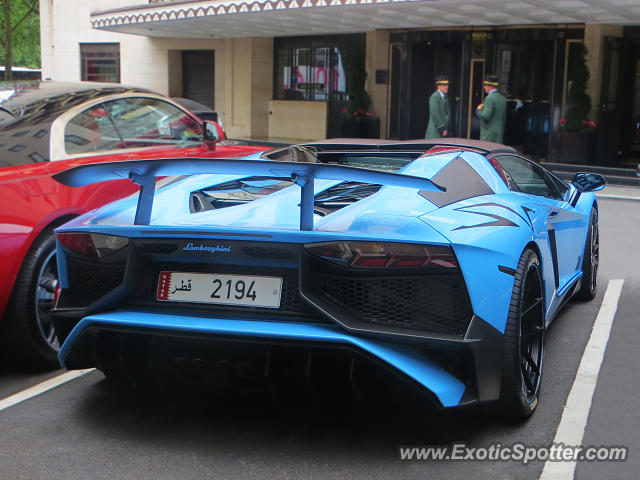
pixel 431 59
pixel 416 59
pixel 629 111
pixel 526 70
pixel 529 62
pixel 476 97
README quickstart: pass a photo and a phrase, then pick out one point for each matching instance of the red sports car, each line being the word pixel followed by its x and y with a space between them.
pixel 48 127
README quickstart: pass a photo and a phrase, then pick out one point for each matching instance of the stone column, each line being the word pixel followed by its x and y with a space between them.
pixel 377 58
pixel 249 75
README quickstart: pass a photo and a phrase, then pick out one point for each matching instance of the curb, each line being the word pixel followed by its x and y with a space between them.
pixel 611 179
pixel 618 197
pixel 572 167
pixel 614 176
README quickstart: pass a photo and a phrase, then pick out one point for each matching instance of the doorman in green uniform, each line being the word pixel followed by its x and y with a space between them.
pixel 492 112
pixel 439 110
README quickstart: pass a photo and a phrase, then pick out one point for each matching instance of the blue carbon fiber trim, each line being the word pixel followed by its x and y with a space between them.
pixel 445 386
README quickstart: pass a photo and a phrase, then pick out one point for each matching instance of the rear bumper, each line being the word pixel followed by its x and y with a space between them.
pixel 420 360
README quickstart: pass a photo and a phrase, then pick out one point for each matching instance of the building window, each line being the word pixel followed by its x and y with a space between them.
pixel 307 73
pixel 313 68
pixel 100 62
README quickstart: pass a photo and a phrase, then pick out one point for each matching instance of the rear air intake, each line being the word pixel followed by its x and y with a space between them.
pixel 90 281
pixel 96 265
pixel 404 288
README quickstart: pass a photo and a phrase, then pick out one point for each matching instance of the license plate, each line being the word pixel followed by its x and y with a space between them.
pixel 243 290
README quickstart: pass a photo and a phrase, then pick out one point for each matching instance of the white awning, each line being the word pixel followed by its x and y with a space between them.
pixel 276 18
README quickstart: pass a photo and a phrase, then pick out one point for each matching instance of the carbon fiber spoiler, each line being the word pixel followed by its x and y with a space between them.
pixel 145 172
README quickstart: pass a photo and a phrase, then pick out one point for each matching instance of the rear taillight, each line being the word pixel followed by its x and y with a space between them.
pixel 92 244
pixel 384 255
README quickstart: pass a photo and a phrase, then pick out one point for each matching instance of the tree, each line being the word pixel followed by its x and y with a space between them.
pixel 356 77
pixel 20 34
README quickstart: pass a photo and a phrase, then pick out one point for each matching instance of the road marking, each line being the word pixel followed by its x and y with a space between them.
pixel 42 387
pixel 576 411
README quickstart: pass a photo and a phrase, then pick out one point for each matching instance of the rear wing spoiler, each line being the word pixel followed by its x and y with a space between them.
pixel 145 173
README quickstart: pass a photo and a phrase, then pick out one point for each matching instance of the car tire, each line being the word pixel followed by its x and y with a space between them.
pixel 524 340
pixel 590 260
pixel 27 329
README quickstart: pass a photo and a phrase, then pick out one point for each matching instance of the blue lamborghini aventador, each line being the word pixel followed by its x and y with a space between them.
pixel 441 263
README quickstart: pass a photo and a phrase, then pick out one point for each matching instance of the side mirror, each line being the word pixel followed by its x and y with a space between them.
pixel 588 182
pixel 211 132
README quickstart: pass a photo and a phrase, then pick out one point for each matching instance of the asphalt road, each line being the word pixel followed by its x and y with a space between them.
pixel 89 429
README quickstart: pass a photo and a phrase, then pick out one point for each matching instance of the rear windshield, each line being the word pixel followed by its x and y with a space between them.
pixel 383 161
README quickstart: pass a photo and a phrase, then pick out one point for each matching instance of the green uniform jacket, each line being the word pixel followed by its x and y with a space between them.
pixel 493 116
pixel 438 116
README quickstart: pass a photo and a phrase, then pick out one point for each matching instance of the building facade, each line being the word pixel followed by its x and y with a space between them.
pixel 310 69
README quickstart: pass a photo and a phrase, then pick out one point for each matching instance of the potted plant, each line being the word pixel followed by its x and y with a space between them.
pixel 576 133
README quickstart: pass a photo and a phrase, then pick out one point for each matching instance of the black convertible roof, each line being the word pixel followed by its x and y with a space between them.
pixel 27 110
pixel 350 144
pixel 32 102
pixel 24 93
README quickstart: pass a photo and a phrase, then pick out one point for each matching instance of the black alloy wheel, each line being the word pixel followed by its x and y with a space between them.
pixel 532 333
pixel 590 260
pixel 27 329
pixel 46 284
pixel 524 340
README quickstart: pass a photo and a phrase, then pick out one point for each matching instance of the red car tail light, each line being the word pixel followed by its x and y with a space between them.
pixel 442 149
pixel 384 255
pixel 92 244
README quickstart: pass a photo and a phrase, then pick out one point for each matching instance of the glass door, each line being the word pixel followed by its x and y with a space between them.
pixel 475 97
pixel 526 80
pixel 634 143
pixel 608 116
pixel 397 87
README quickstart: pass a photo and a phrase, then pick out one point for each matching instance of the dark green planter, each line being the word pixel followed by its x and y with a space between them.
pixel 350 128
pixel 370 128
pixel 576 147
pixel 364 128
